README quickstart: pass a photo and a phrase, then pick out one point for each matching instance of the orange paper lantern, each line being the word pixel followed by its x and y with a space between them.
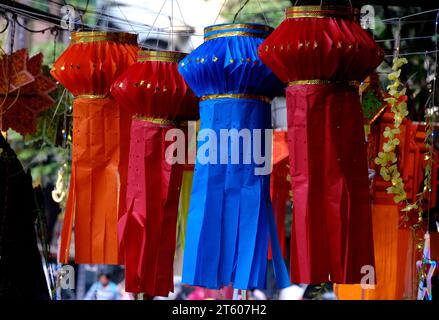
pixel 87 68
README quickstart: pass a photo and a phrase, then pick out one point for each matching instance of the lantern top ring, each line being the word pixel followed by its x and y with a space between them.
pixel 161 56
pixel 237 29
pixel 234 26
pixel 325 11
pixel 96 36
pixel 236 96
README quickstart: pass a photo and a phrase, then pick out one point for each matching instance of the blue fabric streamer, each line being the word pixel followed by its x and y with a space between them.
pixel 230 216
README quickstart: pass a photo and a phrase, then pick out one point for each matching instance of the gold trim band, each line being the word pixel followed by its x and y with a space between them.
pixel 352 83
pixel 91 96
pixel 160 121
pixel 327 11
pixel 238 26
pixel 95 36
pixel 161 56
pixel 236 96
pixel 235 33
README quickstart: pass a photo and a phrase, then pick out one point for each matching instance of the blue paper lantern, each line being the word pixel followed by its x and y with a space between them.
pixel 230 217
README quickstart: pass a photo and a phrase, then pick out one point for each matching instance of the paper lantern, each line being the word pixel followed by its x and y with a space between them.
pixel 321 51
pixel 87 68
pixel 230 215
pixel 161 101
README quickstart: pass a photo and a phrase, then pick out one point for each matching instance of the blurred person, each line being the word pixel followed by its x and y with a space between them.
pixel 123 294
pixel 103 289
pixel 294 292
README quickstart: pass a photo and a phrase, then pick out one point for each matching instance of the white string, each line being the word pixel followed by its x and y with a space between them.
pixel 397 40
pixel 219 13
pixel 118 6
pixel 172 24
pixel 413 53
pixel 156 18
pixel 408 38
pixel 262 11
pixel 411 15
pixel 184 22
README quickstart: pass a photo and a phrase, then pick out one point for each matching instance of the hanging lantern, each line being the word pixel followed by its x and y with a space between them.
pixel 161 101
pixel 321 52
pixel 230 214
pixel 87 69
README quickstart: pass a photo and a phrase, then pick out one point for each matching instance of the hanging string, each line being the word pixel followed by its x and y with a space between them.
pixel 321 3
pixel 239 10
pixel 411 15
pixel 182 17
pixel 219 13
pixel 397 40
pixel 412 53
pixel 123 14
pixel 172 25
pixel 81 16
pixel 262 11
pixel 155 20
pixel 405 39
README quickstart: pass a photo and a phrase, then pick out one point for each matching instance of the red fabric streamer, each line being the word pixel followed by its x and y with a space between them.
pixel 87 69
pixel 319 51
pixel 160 98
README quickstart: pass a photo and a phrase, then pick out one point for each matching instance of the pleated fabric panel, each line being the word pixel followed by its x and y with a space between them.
pixel 320 51
pixel 162 102
pixel 230 214
pixel 96 197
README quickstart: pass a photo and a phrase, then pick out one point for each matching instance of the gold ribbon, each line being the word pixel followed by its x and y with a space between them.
pixel 95 36
pixel 327 11
pixel 235 33
pixel 91 96
pixel 319 81
pixel 236 96
pixel 160 121
pixel 161 56
pixel 238 26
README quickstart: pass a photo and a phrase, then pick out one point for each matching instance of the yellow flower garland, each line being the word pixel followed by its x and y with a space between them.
pixel 387 157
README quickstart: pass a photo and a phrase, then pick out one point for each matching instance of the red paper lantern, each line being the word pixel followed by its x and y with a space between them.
pixel 160 100
pixel 320 51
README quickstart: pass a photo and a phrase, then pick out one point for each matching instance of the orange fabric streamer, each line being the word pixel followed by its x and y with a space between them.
pixel 280 186
pixel 87 68
pixel 391 245
pixel 395 255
